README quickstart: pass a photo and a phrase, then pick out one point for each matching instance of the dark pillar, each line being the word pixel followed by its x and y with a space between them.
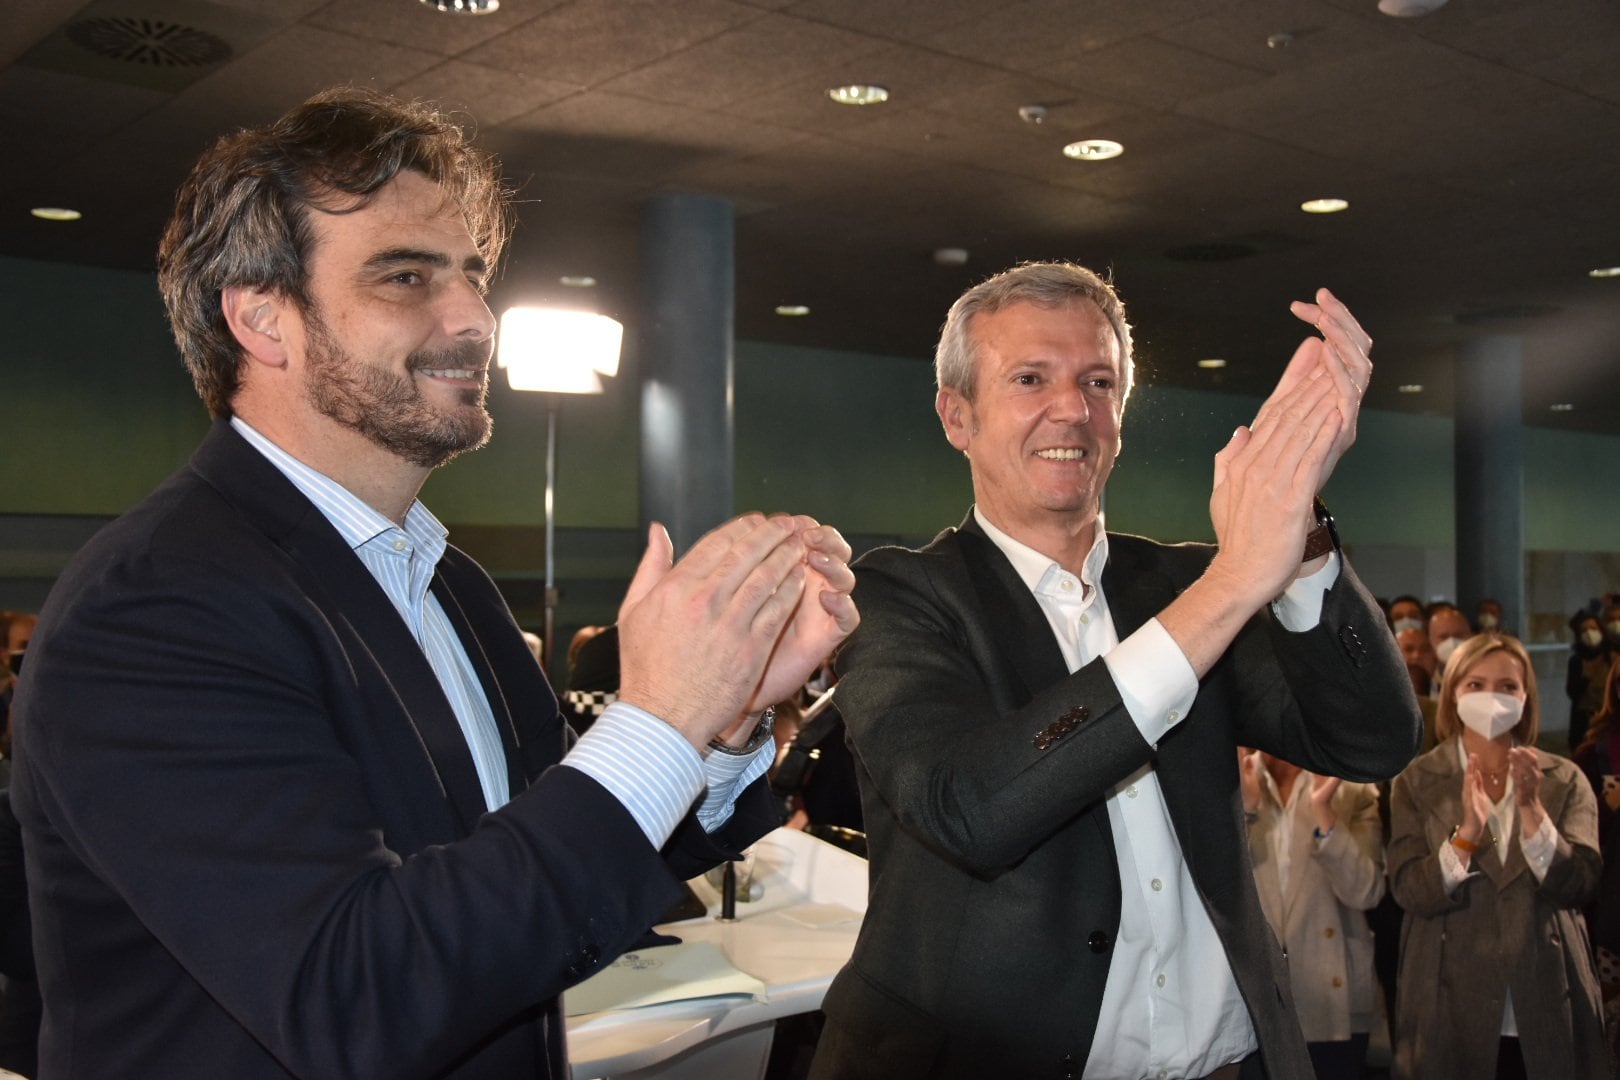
pixel 687 286
pixel 1490 477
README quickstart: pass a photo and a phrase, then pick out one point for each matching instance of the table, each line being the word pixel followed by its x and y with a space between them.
pixel 729 1038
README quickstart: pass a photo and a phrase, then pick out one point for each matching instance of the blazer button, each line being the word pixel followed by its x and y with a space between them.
pixel 1337 982
pixel 1328 932
pixel 1067 1069
pixel 1097 942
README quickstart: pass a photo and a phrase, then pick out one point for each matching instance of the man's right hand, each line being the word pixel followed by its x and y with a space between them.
pixel 695 636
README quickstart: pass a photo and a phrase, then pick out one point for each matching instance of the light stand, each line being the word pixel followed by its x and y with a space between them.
pixel 555 352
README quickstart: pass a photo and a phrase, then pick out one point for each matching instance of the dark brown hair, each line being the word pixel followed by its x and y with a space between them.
pixel 242 216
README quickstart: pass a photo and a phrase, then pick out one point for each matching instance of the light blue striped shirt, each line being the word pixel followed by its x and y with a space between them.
pixel 642 761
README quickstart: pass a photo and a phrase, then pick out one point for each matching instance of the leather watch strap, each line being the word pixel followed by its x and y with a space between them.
pixel 1324 538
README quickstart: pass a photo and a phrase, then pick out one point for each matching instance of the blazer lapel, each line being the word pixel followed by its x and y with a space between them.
pixel 1442 783
pixel 341 586
pixel 1136 590
pixel 1031 658
pixel 1015 620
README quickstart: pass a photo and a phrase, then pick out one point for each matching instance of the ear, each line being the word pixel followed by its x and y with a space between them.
pixel 956 415
pixel 254 316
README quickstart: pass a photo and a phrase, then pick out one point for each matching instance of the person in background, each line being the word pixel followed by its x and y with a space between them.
pixel 1598 756
pixel 1493 852
pixel 1448 628
pixel 593 675
pixel 1318 850
pixel 1488 616
pixel 1590 658
pixel 1406 613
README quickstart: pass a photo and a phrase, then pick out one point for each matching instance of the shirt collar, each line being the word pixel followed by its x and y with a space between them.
pixel 1036 569
pixel 354 519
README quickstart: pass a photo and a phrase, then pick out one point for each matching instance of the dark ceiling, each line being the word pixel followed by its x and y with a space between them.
pixel 1479 147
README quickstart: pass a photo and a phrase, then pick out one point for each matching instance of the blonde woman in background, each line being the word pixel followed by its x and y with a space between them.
pixel 1494 850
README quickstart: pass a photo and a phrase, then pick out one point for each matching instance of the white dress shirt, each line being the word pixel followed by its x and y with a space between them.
pixel 1171 1006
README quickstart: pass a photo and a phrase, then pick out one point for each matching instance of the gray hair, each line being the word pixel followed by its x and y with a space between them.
pixel 1048 284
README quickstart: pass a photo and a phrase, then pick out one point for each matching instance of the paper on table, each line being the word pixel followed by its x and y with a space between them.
pixel 692 969
pixel 819 915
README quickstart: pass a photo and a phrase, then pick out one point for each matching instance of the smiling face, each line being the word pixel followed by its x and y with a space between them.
pixel 397 339
pixel 1041 431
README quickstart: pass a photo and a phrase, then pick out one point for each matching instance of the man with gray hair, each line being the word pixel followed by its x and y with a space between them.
pixel 1045 717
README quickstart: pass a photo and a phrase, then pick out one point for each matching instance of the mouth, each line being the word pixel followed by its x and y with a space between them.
pixel 476 374
pixel 1061 453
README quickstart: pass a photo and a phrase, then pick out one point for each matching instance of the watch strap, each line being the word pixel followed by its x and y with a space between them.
pixel 763 731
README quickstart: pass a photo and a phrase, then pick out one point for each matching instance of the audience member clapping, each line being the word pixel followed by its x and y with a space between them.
pixel 1318 850
pixel 1494 850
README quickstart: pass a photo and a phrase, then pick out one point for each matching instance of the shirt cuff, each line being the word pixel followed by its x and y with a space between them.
pixel 1452 871
pixel 1156 683
pixel 728 775
pixel 1540 847
pixel 644 763
pixel 1299 608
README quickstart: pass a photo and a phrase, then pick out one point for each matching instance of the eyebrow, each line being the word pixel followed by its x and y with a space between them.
pixel 395 256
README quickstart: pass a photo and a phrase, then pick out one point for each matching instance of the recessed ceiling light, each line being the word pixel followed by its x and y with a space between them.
pixel 859 94
pixel 792 310
pixel 1212 363
pixel 56 213
pixel 1409 9
pixel 1323 206
pixel 1093 150
pixel 951 256
pixel 1410 388
pixel 1562 406
pixel 1600 272
pixel 577 281
pixel 463 7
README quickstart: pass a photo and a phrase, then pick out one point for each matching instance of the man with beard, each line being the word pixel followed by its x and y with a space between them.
pixel 1045 717
pixel 296 797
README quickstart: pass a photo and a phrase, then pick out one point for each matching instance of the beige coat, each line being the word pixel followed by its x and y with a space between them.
pixel 1500 929
pixel 1318 915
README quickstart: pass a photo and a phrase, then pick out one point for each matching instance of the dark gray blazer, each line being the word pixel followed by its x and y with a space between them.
pixel 984 765
pixel 255 838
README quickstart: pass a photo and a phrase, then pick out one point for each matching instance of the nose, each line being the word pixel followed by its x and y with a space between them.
pixel 1069 404
pixel 466 316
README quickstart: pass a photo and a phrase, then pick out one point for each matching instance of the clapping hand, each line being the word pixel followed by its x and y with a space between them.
pixel 736 624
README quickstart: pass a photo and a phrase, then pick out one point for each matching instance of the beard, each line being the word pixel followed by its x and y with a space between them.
pixel 388 407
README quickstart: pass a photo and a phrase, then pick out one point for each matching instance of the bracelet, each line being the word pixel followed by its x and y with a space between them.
pixel 1465 846
pixel 1319 836
pixel 762 734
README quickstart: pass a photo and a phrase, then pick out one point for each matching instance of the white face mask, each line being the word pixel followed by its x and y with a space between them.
pixel 1614 629
pixel 1444 650
pixel 1407 624
pixel 1593 638
pixel 1489 714
pixel 1487 621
